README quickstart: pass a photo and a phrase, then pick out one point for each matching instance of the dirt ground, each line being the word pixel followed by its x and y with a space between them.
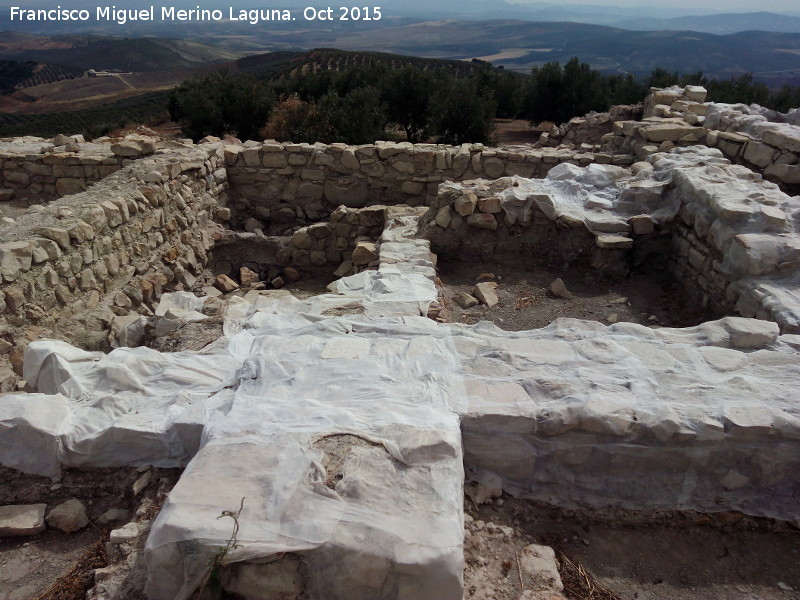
pixel 626 556
pixel 30 565
pixel 526 301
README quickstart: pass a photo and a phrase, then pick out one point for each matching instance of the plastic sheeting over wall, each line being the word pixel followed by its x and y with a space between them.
pixel 343 434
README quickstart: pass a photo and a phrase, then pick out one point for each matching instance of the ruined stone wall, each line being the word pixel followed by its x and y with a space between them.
pixel 310 248
pixel 276 185
pixel 68 268
pixel 467 222
pixel 761 139
pixel 35 171
pixel 696 264
pixel 589 131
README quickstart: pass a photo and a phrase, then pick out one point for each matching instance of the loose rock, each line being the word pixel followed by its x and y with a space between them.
pixel 68 516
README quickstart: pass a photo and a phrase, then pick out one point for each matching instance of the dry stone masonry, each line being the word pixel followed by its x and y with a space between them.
pixel 348 421
pixel 764 140
pixel 282 184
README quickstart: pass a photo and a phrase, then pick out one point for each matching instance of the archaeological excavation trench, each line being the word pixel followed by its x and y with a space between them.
pixel 322 344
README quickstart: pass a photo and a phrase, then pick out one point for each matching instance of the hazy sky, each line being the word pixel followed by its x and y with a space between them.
pixel 702 5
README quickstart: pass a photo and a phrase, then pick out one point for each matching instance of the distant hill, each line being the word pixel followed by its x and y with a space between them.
pixel 773 57
pixel 106 53
pixel 515 44
pixel 720 24
pixel 276 65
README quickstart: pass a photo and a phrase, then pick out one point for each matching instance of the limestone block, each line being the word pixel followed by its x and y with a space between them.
pixel 247 276
pixel 489 205
pixel 494 167
pixel 15 299
pixel 412 188
pixel 350 160
pixel 785 137
pixel 231 153
pixel 127 149
pixel 95 216
pixel 302 240
pixel 759 154
pixel 347 191
pixel 461 160
pixel 66 186
pixel 695 93
pixel 364 253
pixel 466 203
pixel 540 565
pixel 22 519
pixel 443 217
pixel 672 132
pixel 482 221
pixel 126 533
pixel 69 516
pixel 559 289
pixel 751 333
pixel 465 300
pixel 641 224
pixel 114 214
pixel 344 269
pixel 17 177
pixel 79 231
pixel 252 157
pixel 616 242
pixel 698 108
pixel 273 160
pixel 786 173
pixel 404 167
pixel 21 252
pixel 486 294
pixel 225 284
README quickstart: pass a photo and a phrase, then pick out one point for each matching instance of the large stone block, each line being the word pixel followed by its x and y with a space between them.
pixel 350 192
pixel 22 519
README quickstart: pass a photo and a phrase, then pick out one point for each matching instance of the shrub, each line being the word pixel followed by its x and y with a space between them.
pixel 220 103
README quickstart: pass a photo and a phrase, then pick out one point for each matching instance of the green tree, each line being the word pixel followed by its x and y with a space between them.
pixel 408 91
pixel 742 89
pixel 458 114
pixel 787 98
pixel 357 118
pixel 220 103
pixel 557 94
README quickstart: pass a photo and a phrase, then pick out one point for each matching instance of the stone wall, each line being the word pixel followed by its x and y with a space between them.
pixel 34 170
pixel 589 132
pixel 315 247
pixel 764 140
pixel 468 221
pixel 68 268
pixel 274 185
pixel 726 234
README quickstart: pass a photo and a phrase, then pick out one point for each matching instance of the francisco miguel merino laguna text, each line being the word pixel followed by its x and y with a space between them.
pixel 170 13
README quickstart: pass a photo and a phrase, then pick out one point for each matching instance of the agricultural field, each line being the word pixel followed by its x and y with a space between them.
pixel 92 122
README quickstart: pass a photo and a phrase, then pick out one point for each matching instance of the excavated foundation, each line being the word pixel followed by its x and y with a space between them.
pixel 335 431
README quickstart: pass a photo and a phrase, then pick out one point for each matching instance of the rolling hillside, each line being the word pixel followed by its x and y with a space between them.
pixel 121 54
pixel 773 57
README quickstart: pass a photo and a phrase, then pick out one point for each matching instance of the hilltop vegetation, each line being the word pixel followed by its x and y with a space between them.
pixel 356 97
